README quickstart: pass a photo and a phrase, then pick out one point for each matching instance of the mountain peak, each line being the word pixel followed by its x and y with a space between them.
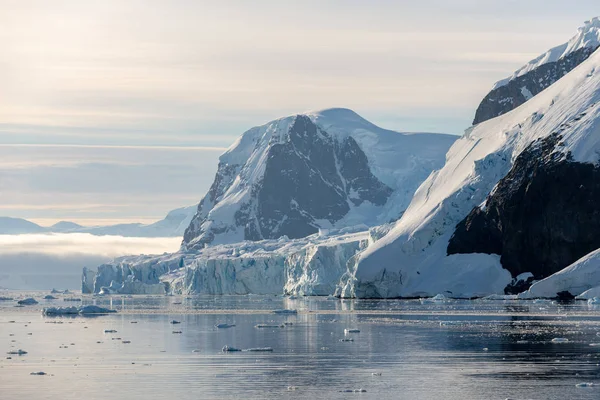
pixel 587 37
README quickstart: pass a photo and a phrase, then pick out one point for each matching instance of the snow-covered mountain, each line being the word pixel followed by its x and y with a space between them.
pixel 173 225
pixel 540 73
pixel 518 193
pixel 320 170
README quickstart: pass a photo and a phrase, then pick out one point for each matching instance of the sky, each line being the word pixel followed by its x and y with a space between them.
pixel 116 111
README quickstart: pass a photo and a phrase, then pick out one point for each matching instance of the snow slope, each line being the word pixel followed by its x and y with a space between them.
pixel 582 278
pixel 324 160
pixel 411 258
pixel 588 36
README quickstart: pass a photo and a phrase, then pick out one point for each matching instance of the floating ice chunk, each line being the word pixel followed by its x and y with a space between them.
pixel 2 298
pixel 330 297
pixel 439 297
pixel 542 301
pixel 347 340
pixel 559 340
pixel 285 311
pixel 224 326
pixel 110 331
pixel 585 385
pixel 260 349
pixel 376 373
pixel 485 349
pixel 292 388
pixel 347 331
pixel 501 297
pixel 126 341
pixel 82 310
pixel 267 326
pixel 19 352
pixel 174 322
pixel 288 323
pixel 292 297
pixel 595 344
pixel 72 299
pixel 196 351
pixel 228 349
pixel 354 391
pixel 177 332
pixel 49 297
pixel 38 373
pixel 594 301
pixel 27 302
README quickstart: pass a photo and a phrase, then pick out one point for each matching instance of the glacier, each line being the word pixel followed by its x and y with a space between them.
pixel 307 266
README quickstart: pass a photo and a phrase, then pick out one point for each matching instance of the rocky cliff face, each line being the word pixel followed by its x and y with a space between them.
pixel 519 90
pixel 541 217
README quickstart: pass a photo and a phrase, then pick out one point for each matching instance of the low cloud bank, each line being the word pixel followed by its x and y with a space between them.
pixel 45 261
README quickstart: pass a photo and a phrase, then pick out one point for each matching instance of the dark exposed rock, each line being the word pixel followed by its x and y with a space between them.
pixel 565 295
pixel 543 216
pixel 508 97
pixel 519 286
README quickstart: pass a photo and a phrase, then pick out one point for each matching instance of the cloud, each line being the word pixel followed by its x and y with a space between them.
pixel 88 182
pixel 58 244
pixel 44 261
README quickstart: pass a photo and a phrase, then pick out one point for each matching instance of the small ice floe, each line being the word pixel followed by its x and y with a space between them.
pixel 267 326
pixel 49 297
pixel 292 297
pixel 288 323
pixel 285 311
pixel 347 331
pixel 2 298
pixel 229 349
pixel 38 373
pixel 354 391
pixel 485 349
pixel 594 301
pixel 126 341
pixel 196 351
pixel 174 322
pixel 110 331
pixel 260 349
pixel 376 374
pixel 224 326
pixel 585 385
pixel 292 388
pixel 72 299
pixel 594 344
pixel 177 332
pixel 560 340
pixel 450 323
pixel 82 310
pixel 347 340
pixel 330 297
pixel 19 352
pixel 27 302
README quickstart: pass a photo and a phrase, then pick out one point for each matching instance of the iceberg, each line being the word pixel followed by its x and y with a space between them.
pixel 27 302
pixel 82 310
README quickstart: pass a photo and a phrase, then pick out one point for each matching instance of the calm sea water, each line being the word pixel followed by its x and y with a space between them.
pixel 404 350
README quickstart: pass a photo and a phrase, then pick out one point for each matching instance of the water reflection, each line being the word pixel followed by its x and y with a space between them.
pixel 451 349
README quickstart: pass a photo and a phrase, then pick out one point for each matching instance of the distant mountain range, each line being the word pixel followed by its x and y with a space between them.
pixel 173 225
